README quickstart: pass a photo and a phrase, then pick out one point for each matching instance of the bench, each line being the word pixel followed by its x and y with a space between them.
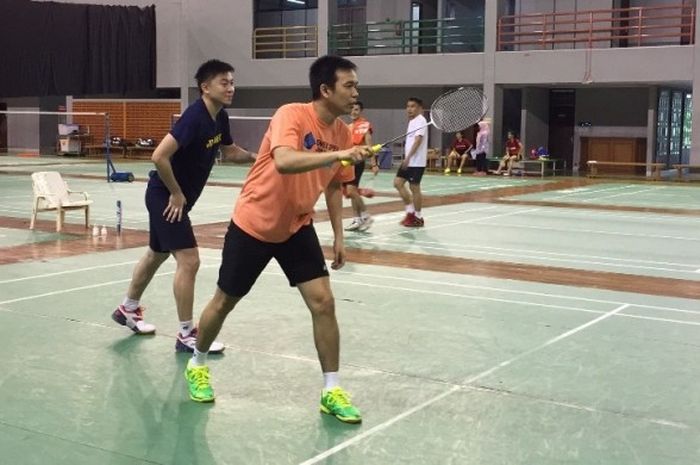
pixel 543 166
pixel 138 151
pixel 655 168
pixel 682 168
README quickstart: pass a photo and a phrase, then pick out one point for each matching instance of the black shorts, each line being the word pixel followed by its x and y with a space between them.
pixel 412 174
pixel 244 258
pixel 164 236
pixel 359 169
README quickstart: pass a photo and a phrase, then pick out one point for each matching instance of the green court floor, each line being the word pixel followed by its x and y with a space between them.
pixel 636 195
pixel 447 368
pixel 622 242
pixel 491 371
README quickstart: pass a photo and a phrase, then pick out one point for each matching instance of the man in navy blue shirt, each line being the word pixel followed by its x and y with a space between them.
pixel 183 160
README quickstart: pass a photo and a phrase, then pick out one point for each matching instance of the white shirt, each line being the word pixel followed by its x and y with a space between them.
pixel 483 142
pixel 420 157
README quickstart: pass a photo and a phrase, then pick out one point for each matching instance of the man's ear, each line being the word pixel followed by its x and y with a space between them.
pixel 325 90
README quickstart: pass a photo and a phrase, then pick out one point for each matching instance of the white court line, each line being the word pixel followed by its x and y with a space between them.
pixel 500 291
pixel 82 288
pixel 451 224
pixel 417 408
pixel 594 231
pixel 74 270
pixel 300 358
pixel 518 254
pixel 523 303
pixel 510 291
pixel 537 253
pixel 420 291
pixel 637 192
pixel 646 217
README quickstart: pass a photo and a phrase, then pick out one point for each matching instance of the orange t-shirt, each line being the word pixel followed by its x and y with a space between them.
pixel 359 128
pixel 273 206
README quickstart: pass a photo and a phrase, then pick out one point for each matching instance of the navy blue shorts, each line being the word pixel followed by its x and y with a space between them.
pixel 412 174
pixel 359 169
pixel 164 236
pixel 245 257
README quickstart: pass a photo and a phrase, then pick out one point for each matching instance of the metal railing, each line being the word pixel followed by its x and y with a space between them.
pixel 285 42
pixel 619 27
pixel 451 35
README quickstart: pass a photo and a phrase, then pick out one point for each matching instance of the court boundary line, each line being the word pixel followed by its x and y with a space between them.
pixel 534 254
pixel 386 424
pixel 427 379
pixel 523 292
pixel 399 278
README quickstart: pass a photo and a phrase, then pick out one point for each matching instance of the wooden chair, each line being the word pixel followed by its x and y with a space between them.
pixel 51 193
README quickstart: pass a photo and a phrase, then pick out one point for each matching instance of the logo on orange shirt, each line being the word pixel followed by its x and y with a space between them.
pixel 309 141
pixel 321 146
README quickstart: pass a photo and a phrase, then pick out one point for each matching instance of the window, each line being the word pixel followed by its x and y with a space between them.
pixel 674 126
pixel 276 13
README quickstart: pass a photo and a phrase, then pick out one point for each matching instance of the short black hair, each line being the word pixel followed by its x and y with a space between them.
pixel 416 100
pixel 210 69
pixel 359 104
pixel 323 71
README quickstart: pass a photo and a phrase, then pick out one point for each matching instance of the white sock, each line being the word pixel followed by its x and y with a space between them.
pixel 419 214
pixel 365 215
pixel 410 208
pixel 357 219
pixel 199 359
pixel 130 304
pixel 186 328
pixel 330 380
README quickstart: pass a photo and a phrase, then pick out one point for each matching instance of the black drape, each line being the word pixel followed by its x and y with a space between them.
pixel 49 48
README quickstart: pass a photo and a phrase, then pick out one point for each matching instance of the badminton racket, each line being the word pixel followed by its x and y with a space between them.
pixel 451 112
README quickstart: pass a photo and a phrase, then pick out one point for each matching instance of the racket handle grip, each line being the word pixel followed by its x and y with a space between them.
pixel 375 149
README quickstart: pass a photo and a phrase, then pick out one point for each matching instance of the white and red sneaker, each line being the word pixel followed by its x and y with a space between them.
pixel 133 320
pixel 188 343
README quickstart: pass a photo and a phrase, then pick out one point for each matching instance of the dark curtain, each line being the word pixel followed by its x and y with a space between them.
pixel 49 48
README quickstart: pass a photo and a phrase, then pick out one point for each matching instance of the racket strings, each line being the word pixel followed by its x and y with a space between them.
pixel 458 110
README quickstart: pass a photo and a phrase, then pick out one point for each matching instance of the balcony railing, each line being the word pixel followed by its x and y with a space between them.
pixel 453 35
pixel 285 42
pixel 620 27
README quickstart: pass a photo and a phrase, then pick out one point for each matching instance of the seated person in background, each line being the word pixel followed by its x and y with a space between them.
pixel 459 149
pixel 514 152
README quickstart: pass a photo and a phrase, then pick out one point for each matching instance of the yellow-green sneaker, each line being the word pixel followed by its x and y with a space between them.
pixel 198 380
pixel 336 402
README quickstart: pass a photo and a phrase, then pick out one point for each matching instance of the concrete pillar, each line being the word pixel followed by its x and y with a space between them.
pixel 534 118
pixel 651 125
pixel 492 92
pixel 183 69
pixel 323 15
pixel 695 142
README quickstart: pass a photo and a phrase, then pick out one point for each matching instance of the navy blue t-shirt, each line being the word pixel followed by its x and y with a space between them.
pixel 198 138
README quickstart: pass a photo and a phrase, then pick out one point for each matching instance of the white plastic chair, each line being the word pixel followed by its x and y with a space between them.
pixel 51 193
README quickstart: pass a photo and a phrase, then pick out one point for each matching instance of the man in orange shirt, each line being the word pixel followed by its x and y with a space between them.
pixel 361 130
pixel 297 161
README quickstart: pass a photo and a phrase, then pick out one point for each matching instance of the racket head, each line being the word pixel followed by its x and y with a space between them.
pixel 458 109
